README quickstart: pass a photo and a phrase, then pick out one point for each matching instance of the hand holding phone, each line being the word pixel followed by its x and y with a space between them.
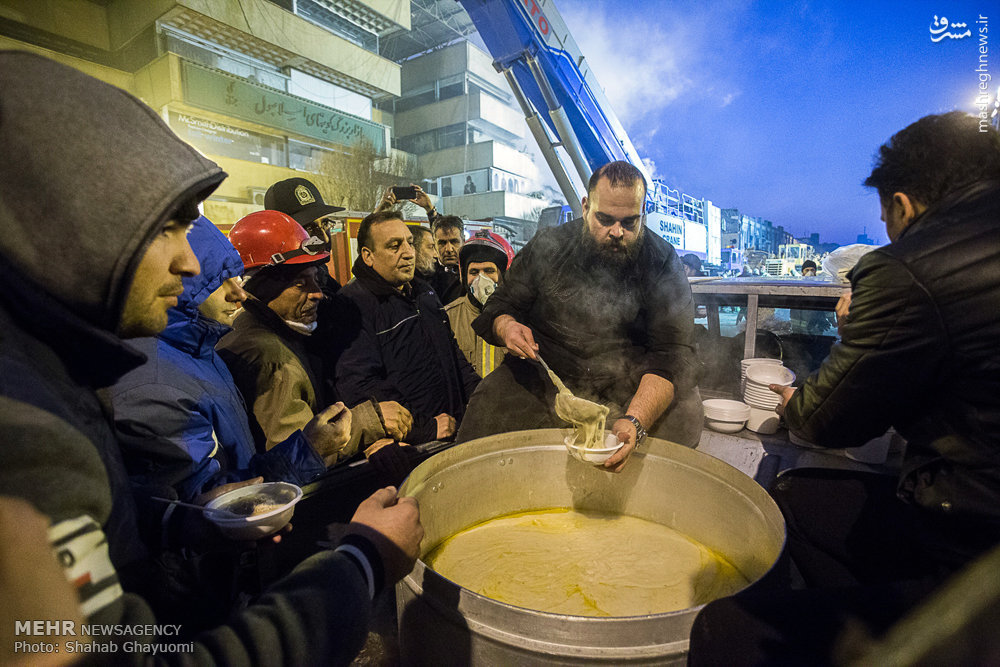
pixel 402 192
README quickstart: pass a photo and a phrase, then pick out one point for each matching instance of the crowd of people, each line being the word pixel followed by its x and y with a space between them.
pixel 150 363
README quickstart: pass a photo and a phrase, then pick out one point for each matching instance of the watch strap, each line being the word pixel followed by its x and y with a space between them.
pixel 640 431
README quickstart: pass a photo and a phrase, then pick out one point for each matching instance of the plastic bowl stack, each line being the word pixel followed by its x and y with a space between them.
pixel 746 363
pixel 725 416
pixel 758 395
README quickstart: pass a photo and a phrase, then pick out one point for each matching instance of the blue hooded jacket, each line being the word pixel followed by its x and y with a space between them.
pixel 179 417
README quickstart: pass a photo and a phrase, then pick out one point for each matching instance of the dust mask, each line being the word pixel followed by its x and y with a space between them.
pixel 482 288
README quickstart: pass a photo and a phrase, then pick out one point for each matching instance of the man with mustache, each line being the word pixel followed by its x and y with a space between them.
pixel 607 305
pixel 278 373
pixel 405 350
pixel 449 237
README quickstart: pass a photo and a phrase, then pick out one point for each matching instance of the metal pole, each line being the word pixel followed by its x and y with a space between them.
pixel 546 146
pixel 561 121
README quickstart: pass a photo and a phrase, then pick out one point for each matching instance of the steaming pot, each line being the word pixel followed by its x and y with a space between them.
pixel 693 493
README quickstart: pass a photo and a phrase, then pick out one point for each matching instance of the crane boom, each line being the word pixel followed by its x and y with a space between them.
pixel 552 82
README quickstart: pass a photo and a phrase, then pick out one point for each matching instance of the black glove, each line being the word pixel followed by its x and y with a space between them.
pixel 391 463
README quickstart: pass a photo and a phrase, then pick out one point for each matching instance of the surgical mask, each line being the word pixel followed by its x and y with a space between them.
pixel 482 288
pixel 304 329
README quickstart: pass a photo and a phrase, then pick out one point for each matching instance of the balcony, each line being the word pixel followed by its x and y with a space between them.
pixel 266 32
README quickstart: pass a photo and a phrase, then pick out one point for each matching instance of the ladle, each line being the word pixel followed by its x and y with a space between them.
pixel 588 417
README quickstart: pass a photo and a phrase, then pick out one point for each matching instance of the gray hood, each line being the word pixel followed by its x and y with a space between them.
pixel 88 176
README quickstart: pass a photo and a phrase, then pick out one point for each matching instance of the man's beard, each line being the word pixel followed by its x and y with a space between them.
pixel 425 266
pixel 615 253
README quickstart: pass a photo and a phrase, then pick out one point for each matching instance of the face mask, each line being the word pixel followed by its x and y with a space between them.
pixel 304 329
pixel 482 288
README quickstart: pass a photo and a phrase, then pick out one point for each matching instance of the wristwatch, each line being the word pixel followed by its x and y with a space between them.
pixel 640 432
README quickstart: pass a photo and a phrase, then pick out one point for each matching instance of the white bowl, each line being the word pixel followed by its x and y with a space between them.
pixel 765 374
pixel 763 421
pixel 762 401
pixel 595 455
pixel 761 390
pixel 725 426
pixel 725 410
pixel 242 524
pixel 759 360
pixel 760 405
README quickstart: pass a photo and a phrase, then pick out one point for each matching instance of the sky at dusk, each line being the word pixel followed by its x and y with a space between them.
pixel 777 108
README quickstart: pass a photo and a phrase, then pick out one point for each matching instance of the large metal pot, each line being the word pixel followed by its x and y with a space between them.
pixel 441 623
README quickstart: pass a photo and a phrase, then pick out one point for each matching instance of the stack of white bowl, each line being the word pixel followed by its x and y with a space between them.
pixel 746 363
pixel 758 395
pixel 725 416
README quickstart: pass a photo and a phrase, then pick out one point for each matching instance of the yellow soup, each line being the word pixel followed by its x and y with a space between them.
pixel 586 564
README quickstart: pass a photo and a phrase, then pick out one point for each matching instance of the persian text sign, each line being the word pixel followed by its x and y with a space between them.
pixel 241 99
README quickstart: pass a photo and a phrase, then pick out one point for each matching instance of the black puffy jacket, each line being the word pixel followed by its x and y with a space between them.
pixel 404 352
pixel 920 351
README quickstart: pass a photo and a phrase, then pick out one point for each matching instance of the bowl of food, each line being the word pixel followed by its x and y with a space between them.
pixel 596 455
pixel 255 511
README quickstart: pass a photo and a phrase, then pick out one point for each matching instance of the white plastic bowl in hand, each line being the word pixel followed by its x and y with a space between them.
pixel 242 518
pixel 595 455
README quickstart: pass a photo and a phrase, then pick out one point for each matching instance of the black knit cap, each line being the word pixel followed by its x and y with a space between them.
pixel 298 198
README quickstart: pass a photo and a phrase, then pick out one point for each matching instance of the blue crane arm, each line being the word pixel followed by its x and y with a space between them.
pixel 526 34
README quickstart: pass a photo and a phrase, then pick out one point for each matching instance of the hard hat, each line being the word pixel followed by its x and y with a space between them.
pixel 266 238
pixel 486 246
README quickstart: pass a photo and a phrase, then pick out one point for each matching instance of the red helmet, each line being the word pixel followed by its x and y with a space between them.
pixel 266 238
pixel 487 239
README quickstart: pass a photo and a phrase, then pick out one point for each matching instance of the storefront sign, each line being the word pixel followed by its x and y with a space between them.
pixel 216 138
pixel 235 97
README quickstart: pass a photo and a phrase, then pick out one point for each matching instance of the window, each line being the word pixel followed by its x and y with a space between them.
pixel 414 101
pixel 794 323
pixel 451 90
pixel 451 136
pixel 218 57
pixel 338 25
pixel 306 157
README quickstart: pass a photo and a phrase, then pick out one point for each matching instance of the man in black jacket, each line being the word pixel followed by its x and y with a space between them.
pixel 405 350
pixel 919 353
pixel 449 237
pixel 606 304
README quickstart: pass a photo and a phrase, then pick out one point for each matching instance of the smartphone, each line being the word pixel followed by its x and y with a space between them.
pixel 402 192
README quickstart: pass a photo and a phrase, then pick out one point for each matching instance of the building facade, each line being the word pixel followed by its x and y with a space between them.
pixel 457 115
pixel 268 89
